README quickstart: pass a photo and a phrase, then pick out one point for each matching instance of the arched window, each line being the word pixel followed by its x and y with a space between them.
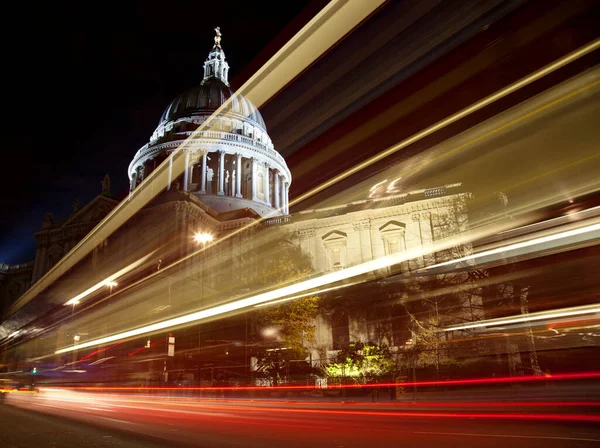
pixel 340 329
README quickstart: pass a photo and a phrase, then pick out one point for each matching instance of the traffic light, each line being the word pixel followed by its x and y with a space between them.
pixel 34 370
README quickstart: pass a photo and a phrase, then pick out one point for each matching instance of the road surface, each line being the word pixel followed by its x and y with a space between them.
pixel 150 422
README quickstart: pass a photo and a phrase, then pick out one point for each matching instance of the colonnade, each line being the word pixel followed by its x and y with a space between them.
pixel 257 181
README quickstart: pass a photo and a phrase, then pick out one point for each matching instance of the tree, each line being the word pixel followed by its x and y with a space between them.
pixel 287 327
pixel 429 345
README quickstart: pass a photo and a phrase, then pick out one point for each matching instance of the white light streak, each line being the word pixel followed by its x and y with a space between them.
pixel 110 281
pixel 521 245
pixel 296 288
pixel 101 360
pixel 302 287
pixel 306 294
pixel 532 317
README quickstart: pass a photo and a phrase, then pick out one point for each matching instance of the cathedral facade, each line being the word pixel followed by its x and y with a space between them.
pixel 233 178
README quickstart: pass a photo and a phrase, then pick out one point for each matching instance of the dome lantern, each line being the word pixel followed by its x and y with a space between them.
pixel 215 66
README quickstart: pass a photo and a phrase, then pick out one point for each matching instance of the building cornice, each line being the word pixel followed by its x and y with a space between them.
pixel 369 215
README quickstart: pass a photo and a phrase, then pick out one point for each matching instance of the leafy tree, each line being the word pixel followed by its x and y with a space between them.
pixel 290 322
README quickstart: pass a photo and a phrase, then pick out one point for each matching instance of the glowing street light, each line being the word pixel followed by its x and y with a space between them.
pixel 111 284
pixel 203 238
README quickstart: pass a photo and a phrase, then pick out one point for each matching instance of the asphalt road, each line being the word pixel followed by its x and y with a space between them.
pixel 154 422
pixel 20 428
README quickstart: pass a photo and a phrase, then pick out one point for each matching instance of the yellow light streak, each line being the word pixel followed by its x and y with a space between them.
pixel 330 25
pixel 586 49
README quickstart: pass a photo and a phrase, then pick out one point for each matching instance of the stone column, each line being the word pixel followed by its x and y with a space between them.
pixel 281 195
pixel 363 227
pixel 276 188
pixel 427 237
pixel 254 179
pixel 221 173
pixel 267 185
pixel 170 172
pixel 238 176
pixel 286 189
pixel 186 173
pixel 203 178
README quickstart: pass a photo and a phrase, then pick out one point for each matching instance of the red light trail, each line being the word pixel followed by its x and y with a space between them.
pixel 467 382
pixel 145 347
pixel 99 351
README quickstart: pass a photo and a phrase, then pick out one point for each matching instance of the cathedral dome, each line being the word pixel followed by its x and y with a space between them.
pixel 208 97
pixel 230 161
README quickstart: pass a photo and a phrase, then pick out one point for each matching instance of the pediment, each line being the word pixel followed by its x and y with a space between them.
pixel 392 226
pixel 334 235
pixel 94 211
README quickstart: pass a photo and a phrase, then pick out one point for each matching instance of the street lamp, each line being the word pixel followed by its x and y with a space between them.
pixel 111 284
pixel 203 238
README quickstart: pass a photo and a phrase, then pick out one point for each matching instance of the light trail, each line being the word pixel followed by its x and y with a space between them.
pixel 521 245
pixel 95 352
pixel 586 49
pixel 330 25
pixel 162 406
pixel 280 293
pixel 567 59
pixel 467 382
pixel 290 290
pixel 532 317
pixel 109 281
pixel 320 291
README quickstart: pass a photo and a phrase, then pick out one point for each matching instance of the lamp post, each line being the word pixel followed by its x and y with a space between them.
pixel 111 285
pixel 76 339
pixel 203 239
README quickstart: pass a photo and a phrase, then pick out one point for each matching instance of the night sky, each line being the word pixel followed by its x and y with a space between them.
pixel 87 86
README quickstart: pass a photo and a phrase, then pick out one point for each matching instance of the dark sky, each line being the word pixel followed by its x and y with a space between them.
pixel 87 85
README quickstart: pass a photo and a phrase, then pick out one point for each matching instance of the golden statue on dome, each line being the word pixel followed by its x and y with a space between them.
pixel 218 37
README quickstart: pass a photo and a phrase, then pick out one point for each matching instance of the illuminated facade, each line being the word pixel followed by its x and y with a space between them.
pixel 389 223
